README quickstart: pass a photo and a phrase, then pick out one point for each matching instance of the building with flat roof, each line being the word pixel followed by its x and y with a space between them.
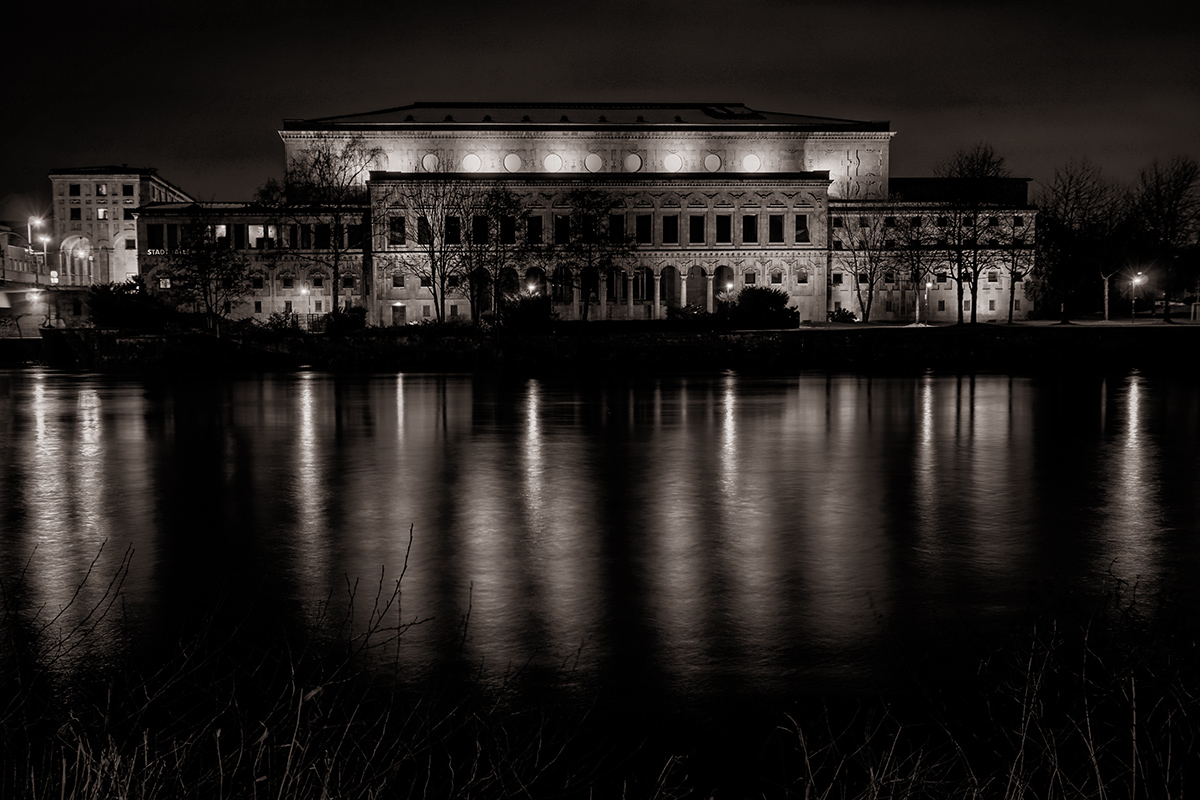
pixel 710 197
pixel 95 230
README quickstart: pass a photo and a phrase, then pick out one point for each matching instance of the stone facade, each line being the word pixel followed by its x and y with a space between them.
pixel 95 227
pixel 715 197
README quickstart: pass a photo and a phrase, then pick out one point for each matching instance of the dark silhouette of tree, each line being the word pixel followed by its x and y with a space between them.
pixel 588 243
pixel 322 206
pixel 1166 209
pixel 868 250
pixel 206 272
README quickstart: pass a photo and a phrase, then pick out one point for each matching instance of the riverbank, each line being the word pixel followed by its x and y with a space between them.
pixel 630 347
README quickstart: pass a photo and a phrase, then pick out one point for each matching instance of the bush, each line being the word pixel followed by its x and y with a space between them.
pixel 282 321
pixel 127 306
pixel 842 315
pixel 764 307
pixel 527 313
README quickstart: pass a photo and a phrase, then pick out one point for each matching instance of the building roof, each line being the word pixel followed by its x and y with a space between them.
pixel 576 116
pixel 597 178
pixel 122 169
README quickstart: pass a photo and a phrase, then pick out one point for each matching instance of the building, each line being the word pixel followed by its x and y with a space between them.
pixel 95 228
pixel 715 198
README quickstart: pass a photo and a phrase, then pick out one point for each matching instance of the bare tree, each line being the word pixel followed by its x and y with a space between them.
pixel 868 251
pixel 491 251
pixel 976 162
pixel 1166 207
pixel 322 201
pixel 915 255
pixel 206 272
pixel 589 242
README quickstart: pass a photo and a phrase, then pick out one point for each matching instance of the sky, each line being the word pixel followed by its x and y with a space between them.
pixel 199 90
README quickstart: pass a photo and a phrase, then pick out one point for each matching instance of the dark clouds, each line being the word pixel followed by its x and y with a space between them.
pixel 198 90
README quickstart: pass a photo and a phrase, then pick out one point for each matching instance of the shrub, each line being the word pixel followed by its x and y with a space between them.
pixel 127 306
pixel 527 313
pixel 842 315
pixel 764 307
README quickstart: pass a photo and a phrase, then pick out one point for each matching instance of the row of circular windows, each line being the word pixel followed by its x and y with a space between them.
pixel 593 162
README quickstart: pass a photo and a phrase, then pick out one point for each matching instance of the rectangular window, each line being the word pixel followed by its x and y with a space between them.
pixel 941 305
pixel 993 222
pixel 322 236
pixel 318 282
pixel 802 229
pixel 289 283
pixel 776 278
pixel 887 305
pixel 993 276
pixel 154 236
pixel 127 213
pixel 256 282
pixel 453 281
pixel 775 228
pixel 802 276
pixel 396 235
pixel 837 244
pixel 836 222
pixel 616 228
pixel 287 306
pixel 889 277
pixel 258 306
pixel 424 233
pixel 889 222
pixel 77 213
pixel 671 229
pixel 425 311
pixel 837 279
pixel 724 229
pixel 426 282
pixel 131 244
pixel 750 279
pixel 1018 222
pixel 127 190
pixel 1016 304
pixel 347 281
pixel 73 189
pixel 643 228
pixel 562 229
pixel 750 229
pixel 991 305
pixel 941 277
pixel 943 222
pixel 101 190
pixel 453 231
pixel 479 230
pixel 966 305
pixel 533 230
pixel 172 237
pixel 863 278
pixel 397 281
pixel 696 229
pixel 101 213
pixel 317 306
pixel 508 230
pixel 454 311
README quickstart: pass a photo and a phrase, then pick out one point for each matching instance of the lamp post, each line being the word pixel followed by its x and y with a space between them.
pixel 30 224
pixel 1133 295
pixel 307 310
pixel 928 286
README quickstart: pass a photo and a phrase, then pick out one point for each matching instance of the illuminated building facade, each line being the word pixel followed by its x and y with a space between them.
pixel 715 198
pixel 95 228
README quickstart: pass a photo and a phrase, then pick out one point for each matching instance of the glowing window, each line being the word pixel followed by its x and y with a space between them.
pixel 512 162
pixel 430 162
pixel 593 162
pixel 633 162
pixel 712 162
pixel 101 213
pixel 472 162
pixel 673 163
pixel 751 163
pixel 553 162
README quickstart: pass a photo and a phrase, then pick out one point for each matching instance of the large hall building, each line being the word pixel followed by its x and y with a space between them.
pixel 712 198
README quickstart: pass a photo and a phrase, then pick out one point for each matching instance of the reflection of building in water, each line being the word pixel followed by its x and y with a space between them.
pixel 713 199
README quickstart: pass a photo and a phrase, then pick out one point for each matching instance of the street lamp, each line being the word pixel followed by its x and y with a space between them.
pixel 1133 295
pixel 30 224
pixel 928 286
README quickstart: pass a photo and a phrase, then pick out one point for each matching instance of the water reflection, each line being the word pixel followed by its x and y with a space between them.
pixel 698 537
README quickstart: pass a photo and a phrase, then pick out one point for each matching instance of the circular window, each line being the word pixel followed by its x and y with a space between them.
pixel 751 163
pixel 512 162
pixel 553 162
pixel 672 162
pixel 712 162
pixel 593 162
pixel 429 162
pixel 471 162
pixel 633 162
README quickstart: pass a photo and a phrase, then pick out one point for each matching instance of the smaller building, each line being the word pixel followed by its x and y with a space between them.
pixel 95 221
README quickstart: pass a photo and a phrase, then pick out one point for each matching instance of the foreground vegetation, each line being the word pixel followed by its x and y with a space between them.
pixel 1088 699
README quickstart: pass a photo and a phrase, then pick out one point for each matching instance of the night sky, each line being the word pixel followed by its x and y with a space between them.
pixel 199 90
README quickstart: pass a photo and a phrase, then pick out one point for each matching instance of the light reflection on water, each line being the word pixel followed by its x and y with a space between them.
pixel 695 536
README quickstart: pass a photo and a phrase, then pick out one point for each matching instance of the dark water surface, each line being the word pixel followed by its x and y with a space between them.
pixel 703 542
